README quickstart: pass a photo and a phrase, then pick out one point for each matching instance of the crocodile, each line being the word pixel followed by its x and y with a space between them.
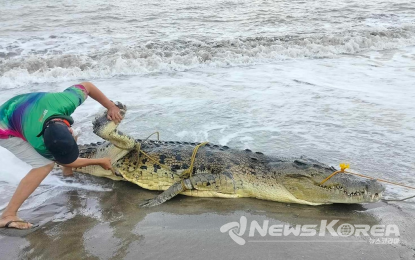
pixel 219 171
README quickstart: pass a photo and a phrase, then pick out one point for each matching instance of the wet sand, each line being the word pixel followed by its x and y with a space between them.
pixel 82 224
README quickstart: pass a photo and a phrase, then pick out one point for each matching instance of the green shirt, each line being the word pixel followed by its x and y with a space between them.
pixel 24 115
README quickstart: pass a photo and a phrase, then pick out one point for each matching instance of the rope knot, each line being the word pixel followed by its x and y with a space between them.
pixel 344 166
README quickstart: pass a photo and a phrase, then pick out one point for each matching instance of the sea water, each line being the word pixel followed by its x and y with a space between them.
pixel 331 80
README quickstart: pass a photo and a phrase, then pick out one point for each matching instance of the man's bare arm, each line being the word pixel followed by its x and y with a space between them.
pixel 82 162
pixel 95 93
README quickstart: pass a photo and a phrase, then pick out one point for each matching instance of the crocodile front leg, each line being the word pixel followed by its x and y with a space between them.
pixel 171 192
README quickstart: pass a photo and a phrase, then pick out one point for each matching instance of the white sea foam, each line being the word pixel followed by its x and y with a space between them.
pixel 107 40
pixel 334 82
pixel 183 55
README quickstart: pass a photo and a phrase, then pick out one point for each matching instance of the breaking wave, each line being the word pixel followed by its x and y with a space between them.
pixel 180 55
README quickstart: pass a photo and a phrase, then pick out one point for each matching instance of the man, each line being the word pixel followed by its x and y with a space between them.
pixel 36 127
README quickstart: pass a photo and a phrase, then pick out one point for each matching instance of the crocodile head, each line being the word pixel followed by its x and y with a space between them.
pixel 102 126
pixel 305 184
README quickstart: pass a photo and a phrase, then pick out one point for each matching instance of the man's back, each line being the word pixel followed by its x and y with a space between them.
pixel 24 116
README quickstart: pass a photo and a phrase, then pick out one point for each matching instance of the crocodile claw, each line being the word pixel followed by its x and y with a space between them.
pixel 150 203
pixel 116 172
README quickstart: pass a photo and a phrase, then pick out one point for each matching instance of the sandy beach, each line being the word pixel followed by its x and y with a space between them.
pixel 110 225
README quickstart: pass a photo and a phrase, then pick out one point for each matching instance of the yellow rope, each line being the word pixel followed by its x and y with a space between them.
pixel 192 161
pixel 158 136
pixel 138 147
pixel 345 166
pixel 154 160
pixel 190 169
pixel 382 180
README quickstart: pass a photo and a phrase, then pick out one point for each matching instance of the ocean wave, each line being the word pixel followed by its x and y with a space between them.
pixel 180 55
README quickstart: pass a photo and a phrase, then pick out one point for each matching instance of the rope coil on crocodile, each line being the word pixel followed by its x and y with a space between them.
pixel 188 171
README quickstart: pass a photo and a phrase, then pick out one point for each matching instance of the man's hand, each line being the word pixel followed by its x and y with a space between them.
pixel 114 114
pixel 105 163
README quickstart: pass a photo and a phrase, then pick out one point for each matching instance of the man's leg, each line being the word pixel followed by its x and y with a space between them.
pixel 41 168
pixel 26 187
pixel 68 171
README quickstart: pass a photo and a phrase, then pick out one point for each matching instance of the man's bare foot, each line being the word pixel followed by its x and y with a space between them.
pixel 17 222
pixel 67 171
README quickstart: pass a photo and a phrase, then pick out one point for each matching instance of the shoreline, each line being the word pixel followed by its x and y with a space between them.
pixel 81 224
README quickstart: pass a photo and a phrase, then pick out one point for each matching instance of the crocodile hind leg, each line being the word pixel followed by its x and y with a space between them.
pixel 203 185
pixel 171 192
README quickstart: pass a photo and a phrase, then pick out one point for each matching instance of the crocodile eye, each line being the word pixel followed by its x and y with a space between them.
pixel 301 163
